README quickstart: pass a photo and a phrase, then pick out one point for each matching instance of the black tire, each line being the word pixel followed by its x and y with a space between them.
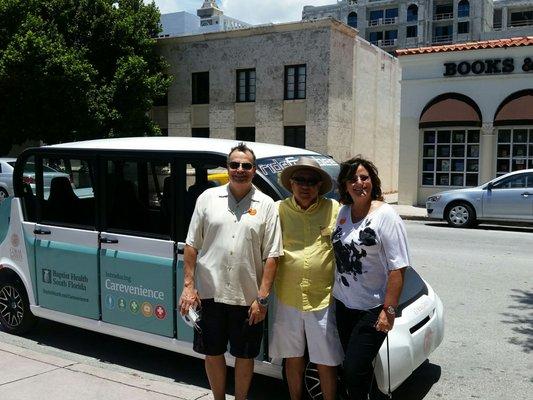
pixel 311 384
pixel 3 194
pixel 461 215
pixel 15 315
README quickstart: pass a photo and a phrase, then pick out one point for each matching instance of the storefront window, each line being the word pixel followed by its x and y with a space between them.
pixel 515 150
pixel 450 157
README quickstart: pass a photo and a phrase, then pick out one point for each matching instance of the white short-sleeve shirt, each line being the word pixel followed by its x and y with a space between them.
pixel 365 252
pixel 233 239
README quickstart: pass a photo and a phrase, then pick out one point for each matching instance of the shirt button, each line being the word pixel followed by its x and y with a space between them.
pixel 233 236
pixel 231 253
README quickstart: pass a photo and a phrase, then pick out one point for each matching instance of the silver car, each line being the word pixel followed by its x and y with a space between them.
pixel 508 198
pixel 6 176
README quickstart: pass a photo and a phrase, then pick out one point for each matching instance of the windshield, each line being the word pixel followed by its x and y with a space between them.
pixel 271 168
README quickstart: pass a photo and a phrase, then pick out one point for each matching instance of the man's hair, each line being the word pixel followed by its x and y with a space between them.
pixel 242 148
pixel 346 173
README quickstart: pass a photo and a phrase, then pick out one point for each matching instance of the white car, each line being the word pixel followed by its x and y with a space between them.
pixel 112 262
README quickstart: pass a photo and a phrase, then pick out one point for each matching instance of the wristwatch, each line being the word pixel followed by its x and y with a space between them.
pixel 391 310
pixel 263 301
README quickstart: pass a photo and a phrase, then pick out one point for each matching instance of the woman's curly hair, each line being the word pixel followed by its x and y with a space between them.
pixel 347 172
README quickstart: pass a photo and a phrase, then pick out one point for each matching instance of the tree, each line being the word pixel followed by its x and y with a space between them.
pixel 78 69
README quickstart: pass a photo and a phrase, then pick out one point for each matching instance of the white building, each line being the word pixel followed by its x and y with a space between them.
pixel 209 18
pixel 308 84
pixel 396 24
pixel 466 115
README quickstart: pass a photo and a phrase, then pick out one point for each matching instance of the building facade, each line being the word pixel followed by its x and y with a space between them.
pixel 512 18
pixel 306 84
pixel 397 24
pixel 466 115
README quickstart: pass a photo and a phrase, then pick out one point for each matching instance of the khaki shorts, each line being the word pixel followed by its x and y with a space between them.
pixel 293 329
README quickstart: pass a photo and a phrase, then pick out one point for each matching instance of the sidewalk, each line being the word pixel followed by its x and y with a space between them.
pixel 29 375
pixel 406 212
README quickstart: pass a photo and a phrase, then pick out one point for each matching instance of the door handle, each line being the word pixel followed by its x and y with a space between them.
pixel 526 194
pixel 108 241
pixel 41 232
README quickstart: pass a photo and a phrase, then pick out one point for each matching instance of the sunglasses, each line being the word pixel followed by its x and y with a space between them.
pixel 245 165
pixel 305 182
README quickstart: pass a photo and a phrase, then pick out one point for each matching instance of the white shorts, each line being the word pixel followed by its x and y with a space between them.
pixel 293 328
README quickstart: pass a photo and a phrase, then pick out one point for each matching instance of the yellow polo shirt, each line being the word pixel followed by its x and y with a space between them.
pixel 306 270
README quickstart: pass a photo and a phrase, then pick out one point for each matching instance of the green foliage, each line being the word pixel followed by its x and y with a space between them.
pixel 78 69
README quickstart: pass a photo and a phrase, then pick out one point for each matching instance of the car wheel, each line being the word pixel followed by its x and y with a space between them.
pixel 15 315
pixel 3 194
pixel 461 215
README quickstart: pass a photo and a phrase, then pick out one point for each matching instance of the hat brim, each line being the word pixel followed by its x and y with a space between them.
pixel 286 174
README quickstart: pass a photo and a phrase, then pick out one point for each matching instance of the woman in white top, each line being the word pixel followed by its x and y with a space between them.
pixel 371 255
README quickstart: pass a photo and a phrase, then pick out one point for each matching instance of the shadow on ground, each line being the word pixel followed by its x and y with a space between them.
pixel 140 357
pixel 520 317
pixel 190 370
pixel 417 386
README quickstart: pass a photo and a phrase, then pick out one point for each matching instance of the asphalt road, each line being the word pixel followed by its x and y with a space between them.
pixel 483 276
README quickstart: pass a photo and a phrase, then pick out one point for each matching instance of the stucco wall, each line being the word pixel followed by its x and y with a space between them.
pixel 352 91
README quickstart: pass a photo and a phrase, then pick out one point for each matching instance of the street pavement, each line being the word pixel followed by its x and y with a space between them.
pixel 24 373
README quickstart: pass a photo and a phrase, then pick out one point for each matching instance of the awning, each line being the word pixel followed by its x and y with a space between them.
pixel 517 111
pixel 450 111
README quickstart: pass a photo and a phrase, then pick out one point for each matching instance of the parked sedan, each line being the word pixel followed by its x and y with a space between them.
pixel 508 198
pixel 6 176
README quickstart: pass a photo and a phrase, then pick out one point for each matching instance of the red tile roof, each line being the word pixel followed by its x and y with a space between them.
pixel 487 44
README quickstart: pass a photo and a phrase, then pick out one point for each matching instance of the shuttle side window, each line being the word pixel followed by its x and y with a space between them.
pixel 65 191
pixel 139 196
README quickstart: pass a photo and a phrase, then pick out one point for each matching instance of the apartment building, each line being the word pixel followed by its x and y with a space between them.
pixel 209 18
pixel 512 18
pixel 396 24
pixel 313 85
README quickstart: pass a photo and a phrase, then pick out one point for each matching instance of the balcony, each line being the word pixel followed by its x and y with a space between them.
pixel 383 21
pixel 442 16
pixel 524 22
pixel 387 42
pixel 442 39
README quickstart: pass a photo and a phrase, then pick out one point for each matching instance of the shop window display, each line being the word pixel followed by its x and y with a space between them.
pixel 450 157
pixel 515 150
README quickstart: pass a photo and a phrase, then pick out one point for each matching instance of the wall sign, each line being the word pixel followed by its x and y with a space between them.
pixel 489 66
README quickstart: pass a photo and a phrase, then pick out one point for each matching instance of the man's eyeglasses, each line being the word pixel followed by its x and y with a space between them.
pixel 245 165
pixel 305 182
pixel 355 178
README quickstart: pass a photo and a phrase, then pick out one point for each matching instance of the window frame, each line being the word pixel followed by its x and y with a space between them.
pixel 242 131
pixel 248 96
pixel 509 145
pixel 296 90
pixel 435 158
pixel 295 131
pixel 200 95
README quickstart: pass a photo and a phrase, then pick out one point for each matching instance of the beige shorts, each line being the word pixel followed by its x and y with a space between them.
pixel 293 329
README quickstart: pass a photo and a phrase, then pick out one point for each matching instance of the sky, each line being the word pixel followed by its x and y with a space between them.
pixel 251 11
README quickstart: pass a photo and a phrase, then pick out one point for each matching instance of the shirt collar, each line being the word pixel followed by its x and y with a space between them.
pixel 227 193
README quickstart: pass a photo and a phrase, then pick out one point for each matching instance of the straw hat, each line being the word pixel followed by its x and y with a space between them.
pixel 309 164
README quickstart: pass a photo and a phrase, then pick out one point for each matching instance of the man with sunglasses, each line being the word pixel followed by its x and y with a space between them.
pixel 305 279
pixel 230 262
